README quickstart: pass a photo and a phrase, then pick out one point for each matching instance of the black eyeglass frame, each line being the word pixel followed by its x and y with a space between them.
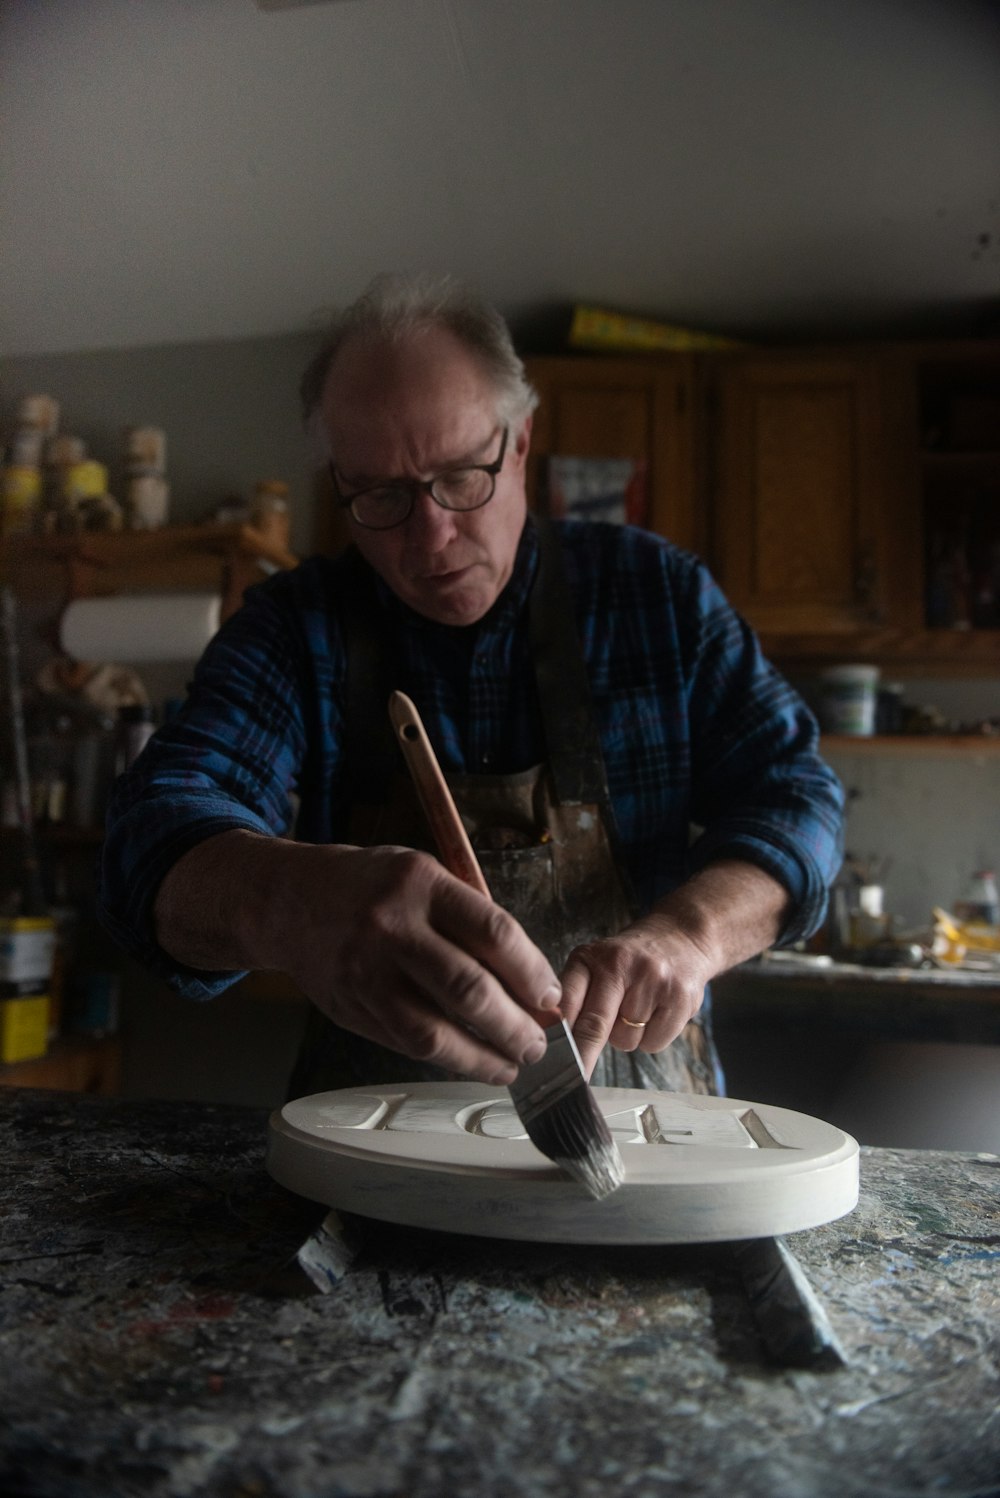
pixel 413 487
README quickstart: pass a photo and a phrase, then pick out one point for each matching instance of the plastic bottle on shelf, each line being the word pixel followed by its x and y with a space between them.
pixel 980 901
pixel 147 491
pixel 869 922
pixel 21 475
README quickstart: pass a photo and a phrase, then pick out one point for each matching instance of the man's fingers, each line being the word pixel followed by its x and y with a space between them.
pixel 654 1034
pixel 623 991
pixel 498 942
pixel 575 983
pixel 426 966
pixel 592 998
pixel 457 988
pixel 417 1029
pixel 461 993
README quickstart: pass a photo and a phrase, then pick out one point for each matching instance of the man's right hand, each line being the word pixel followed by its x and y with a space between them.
pixel 383 940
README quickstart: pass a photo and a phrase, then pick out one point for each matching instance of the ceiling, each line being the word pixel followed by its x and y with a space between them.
pixel 181 170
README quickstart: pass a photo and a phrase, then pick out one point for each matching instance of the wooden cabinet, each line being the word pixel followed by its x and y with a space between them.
pixel 822 486
pixel 802 537
pixel 841 480
pixel 644 408
pixel 955 415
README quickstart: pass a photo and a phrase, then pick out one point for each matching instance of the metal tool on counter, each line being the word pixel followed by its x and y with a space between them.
pixel 793 1326
pixel 552 1096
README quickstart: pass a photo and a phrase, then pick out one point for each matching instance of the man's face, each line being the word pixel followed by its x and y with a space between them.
pixel 412 411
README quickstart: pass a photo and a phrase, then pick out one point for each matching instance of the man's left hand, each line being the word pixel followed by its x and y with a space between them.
pixel 651 974
pixel 639 989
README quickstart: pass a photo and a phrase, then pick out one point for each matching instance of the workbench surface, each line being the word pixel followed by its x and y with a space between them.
pixel 877 1003
pixel 158 1338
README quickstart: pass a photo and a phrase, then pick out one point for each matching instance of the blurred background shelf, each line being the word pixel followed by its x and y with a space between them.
pixel 73 1064
pixel 927 744
pixel 190 557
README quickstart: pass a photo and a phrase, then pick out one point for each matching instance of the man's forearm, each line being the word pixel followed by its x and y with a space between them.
pixel 384 941
pixel 220 907
pixel 731 909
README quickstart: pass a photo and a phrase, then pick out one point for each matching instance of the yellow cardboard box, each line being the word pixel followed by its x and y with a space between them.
pixel 24 1028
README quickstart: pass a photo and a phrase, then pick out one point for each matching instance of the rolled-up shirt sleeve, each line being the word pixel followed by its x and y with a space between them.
pixel 229 759
pixel 710 753
pixel 761 790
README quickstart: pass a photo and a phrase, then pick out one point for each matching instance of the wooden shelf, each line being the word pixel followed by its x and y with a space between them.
pixel 212 556
pixel 906 652
pixel 127 548
pixel 73 1064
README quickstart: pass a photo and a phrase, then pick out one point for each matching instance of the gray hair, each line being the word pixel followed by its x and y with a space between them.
pixel 393 307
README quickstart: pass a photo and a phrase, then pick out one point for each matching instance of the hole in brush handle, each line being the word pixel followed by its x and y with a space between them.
pixel 450 837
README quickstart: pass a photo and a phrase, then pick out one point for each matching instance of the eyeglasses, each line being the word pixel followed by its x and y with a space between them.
pixel 386 505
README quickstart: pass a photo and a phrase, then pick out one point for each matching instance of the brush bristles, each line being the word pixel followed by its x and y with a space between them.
pixel 574 1134
pixel 561 1117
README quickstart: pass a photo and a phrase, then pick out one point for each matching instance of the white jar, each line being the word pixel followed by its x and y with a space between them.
pixel 147 502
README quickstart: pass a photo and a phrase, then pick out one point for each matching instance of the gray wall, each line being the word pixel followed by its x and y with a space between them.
pixel 230 411
pixel 181 170
pixel 934 817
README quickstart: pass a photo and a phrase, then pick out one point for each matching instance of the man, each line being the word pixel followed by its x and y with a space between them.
pixel 590 695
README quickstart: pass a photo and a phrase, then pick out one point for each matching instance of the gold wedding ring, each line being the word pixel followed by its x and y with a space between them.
pixel 634 1024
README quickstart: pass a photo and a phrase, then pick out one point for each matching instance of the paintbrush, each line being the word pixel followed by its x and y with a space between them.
pixel 552 1096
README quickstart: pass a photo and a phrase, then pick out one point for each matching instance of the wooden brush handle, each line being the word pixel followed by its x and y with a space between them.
pixel 450 835
pixel 435 797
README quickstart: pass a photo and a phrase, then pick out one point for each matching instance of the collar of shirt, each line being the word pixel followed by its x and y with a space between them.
pixel 504 613
pixel 473 686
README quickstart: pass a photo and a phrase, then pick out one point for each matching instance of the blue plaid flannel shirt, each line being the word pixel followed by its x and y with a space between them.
pixel 698 730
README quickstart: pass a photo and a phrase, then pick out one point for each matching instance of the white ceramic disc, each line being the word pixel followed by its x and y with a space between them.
pixel 453 1156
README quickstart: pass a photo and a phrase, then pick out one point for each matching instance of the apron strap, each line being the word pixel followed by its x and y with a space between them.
pixel 371 753
pixel 575 757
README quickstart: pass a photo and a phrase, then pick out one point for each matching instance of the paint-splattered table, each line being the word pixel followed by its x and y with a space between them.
pixel 157 1338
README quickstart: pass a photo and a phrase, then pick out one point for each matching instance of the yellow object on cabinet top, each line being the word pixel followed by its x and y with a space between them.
pixel 595 328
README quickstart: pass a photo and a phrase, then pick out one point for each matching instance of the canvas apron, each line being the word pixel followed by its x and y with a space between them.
pixel 545 838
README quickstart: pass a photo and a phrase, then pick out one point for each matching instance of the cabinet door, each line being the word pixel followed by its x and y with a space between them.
pixel 798 541
pixel 640 408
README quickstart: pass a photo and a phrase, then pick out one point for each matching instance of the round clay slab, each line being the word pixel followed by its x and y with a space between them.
pixel 453 1156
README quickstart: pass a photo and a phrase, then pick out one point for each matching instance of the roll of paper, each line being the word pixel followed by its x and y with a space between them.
pixel 140 627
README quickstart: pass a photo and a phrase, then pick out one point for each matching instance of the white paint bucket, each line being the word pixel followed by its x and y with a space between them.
pixel 849 695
